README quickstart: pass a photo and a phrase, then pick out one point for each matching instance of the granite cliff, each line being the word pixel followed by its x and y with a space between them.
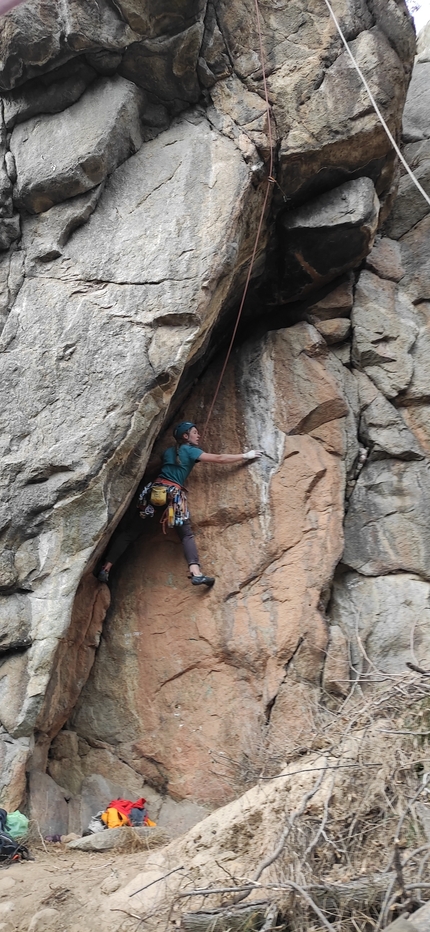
pixel 134 161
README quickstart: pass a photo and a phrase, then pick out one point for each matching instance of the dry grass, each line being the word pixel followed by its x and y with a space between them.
pixel 131 841
pixel 366 860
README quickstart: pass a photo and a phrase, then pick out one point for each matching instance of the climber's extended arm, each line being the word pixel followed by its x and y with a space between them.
pixel 223 459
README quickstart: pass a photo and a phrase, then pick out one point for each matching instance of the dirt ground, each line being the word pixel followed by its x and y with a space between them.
pixel 74 883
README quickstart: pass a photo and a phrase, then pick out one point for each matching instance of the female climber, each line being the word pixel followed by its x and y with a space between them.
pixel 178 461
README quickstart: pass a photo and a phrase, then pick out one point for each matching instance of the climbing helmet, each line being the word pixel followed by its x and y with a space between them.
pixel 182 429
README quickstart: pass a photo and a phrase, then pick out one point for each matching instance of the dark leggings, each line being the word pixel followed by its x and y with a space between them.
pixel 132 529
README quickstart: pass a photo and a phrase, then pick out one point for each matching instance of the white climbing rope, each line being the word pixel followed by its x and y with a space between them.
pixel 375 106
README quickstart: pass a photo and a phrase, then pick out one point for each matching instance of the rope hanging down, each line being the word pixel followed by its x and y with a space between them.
pixel 375 105
pixel 270 181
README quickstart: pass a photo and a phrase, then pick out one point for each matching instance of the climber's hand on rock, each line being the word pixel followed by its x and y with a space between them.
pixel 252 454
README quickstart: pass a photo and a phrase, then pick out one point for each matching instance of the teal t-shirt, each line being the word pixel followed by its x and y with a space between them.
pixel 188 455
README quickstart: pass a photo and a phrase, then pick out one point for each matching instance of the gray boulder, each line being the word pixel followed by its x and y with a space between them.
pixel 329 235
pixel 50 93
pixel 386 527
pixel 122 838
pixel 14 756
pixel 410 207
pixel 336 303
pixel 384 430
pixel 416 116
pixel 16 628
pixel 381 618
pixel 161 46
pixel 315 117
pixel 49 808
pixel 385 259
pixel 178 817
pixel 333 331
pixel 416 261
pixel 384 333
pixel 96 794
pixel 63 155
pixel 153 20
pixel 382 427
pixel 166 68
pixel 39 36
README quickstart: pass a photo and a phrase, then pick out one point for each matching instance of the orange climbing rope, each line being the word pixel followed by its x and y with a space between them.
pixel 270 180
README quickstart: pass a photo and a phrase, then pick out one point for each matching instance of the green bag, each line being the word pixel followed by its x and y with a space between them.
pixel 16 824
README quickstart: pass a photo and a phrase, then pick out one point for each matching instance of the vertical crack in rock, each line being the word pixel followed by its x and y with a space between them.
pixel 257 384
pixel 270 705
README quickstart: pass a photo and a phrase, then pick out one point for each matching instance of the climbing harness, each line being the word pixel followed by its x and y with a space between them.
pixel 144 507
pixel 270 180
pixel 375 105
pixel 167 495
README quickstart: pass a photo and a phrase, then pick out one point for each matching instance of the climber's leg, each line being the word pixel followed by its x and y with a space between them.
pixel 131 530
pixel 186 536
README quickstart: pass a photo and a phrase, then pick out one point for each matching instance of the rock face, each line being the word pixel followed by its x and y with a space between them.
pixel 140 295
pixel 316 115
pixel 384 333
pixel 381 602
pixel 294 397
pixel 255 643
pixel 134 154
pixel 386 527
pixel 57 157
pixel 378 614
pixel 340 224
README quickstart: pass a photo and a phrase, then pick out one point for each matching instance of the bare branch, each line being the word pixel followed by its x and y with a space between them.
pixel 295 815
pixel 159 879
pixel 417 669
pixel 322 824
pixel 423 787
pixel 308 899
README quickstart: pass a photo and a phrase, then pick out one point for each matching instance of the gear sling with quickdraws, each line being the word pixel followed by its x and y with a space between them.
pixel 163 493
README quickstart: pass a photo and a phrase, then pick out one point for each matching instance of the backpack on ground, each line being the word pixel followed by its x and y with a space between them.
pixel 16 825
pixel 11 850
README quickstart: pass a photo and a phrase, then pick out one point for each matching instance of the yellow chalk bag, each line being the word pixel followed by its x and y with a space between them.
pixel 158 495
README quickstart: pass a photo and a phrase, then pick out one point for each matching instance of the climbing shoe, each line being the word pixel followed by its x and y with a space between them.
pixel 202 580
pixel 103 576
